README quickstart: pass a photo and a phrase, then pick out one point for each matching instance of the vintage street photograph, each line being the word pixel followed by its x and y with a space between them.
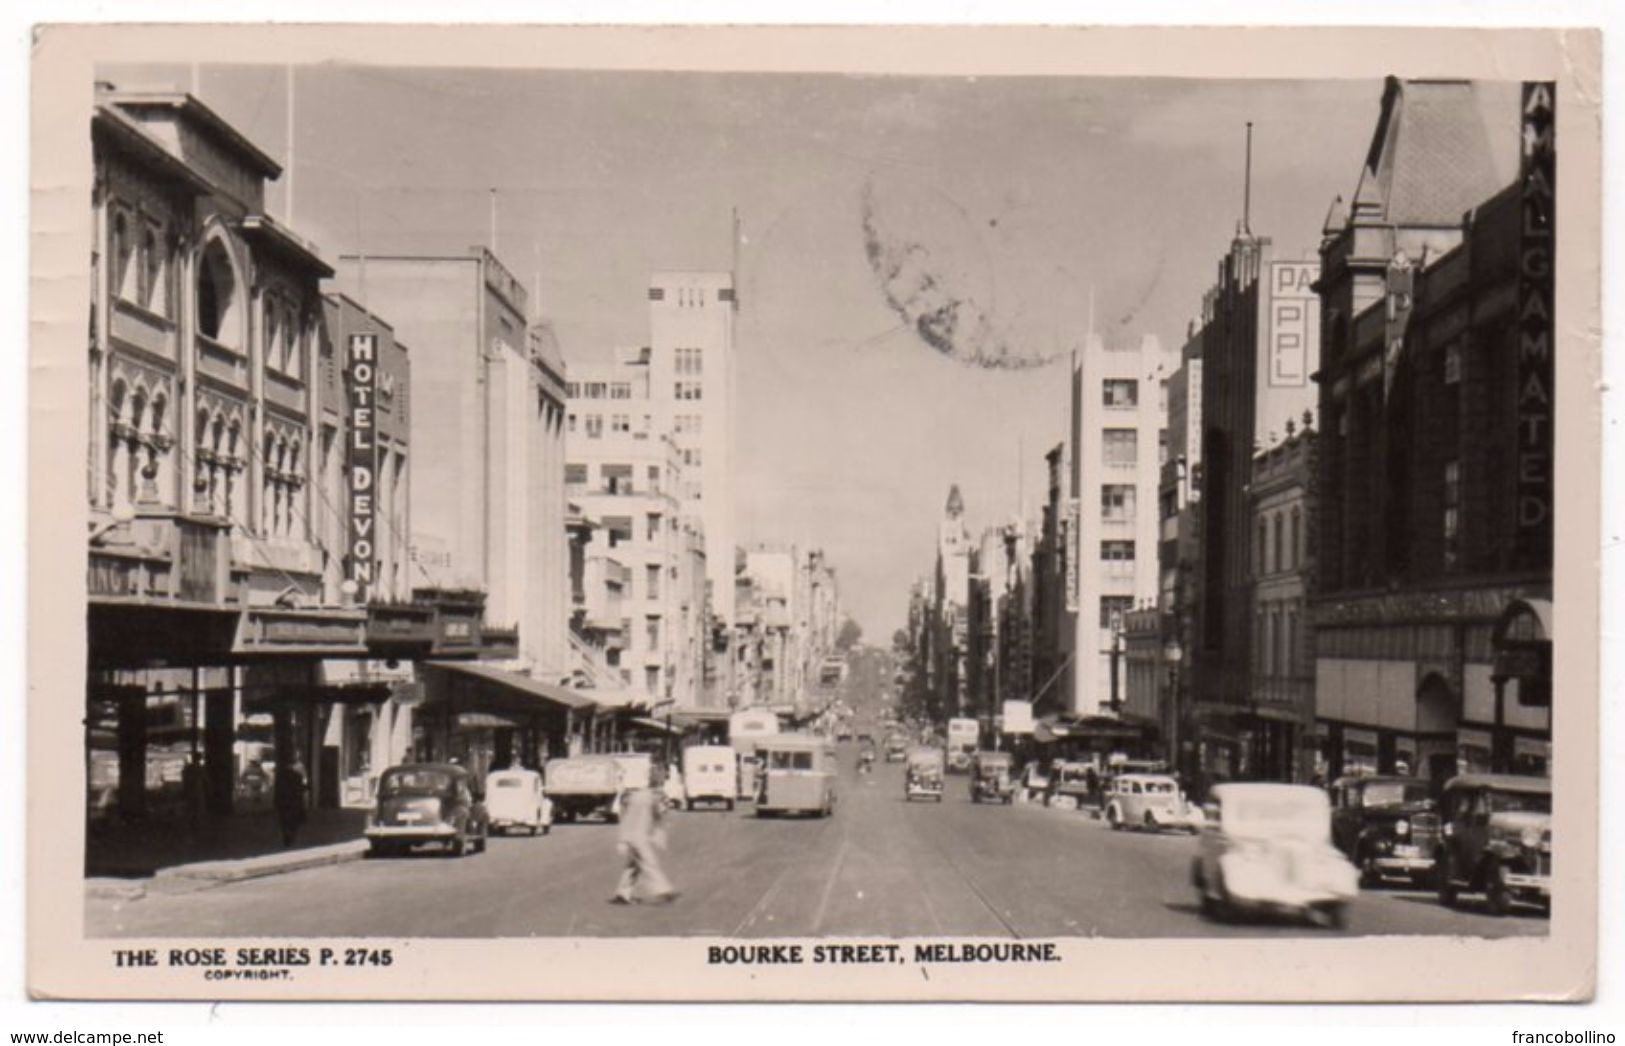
pixel 580 503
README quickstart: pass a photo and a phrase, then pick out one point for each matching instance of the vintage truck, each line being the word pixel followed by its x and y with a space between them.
pixel 585 786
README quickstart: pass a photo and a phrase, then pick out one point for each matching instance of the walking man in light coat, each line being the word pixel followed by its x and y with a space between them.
pixel 642 833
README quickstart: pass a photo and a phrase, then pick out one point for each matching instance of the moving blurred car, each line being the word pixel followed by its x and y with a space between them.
pixel 1267 849
pixel 1388 826
pixel 583 785
pixel 1497 837
pixel 896 748
pixel 427 803
pixel 1149 801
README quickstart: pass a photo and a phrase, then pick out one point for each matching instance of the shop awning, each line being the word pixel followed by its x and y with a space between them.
pixel 515 683
pixel 657 726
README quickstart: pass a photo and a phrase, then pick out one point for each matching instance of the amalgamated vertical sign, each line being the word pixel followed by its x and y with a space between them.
pixel 1536 265
pixel 361 380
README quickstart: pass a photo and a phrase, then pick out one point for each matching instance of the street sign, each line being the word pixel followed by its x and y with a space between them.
pixel 1018 717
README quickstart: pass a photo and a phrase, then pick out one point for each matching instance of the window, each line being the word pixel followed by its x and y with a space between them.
pixel 216 296
pixel 1261 557
pixel 595 426
pixel 651 630
pixel 1113 609
pixel 1120 446
pixel 1120 392
pixel 595 390
pixel 620 390
pixel 688 423
pixel 619 530
pixel 686 390
pixel 121 251
pixel 152 273
pixel 1162 447
pixel 1117 502
pixel 570 422
pixel 654 479
pixel 575 478
pixel 651 580
pixel 572 390
pixel 1452 507
pixel 1279 557
pixel 620 423
pixel 652 526
pixel 617 478
pixel 1117 551
pixel 651 678
pixel 1295 548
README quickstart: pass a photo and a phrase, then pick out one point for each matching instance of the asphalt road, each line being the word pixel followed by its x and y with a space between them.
pixel 881 866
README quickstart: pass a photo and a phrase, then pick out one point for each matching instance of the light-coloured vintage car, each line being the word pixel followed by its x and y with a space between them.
pixel 515 800
pixel 1267 849
pixel 1152 802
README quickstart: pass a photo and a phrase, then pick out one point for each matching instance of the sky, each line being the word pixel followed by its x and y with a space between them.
pixel 1030 207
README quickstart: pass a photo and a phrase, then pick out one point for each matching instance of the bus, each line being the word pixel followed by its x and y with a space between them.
pixel 963 737
pixel 745 728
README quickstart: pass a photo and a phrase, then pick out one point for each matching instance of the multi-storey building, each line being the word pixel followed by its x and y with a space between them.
pixel 950 603
pixel 211 601
pixel 1178 553
pixel 626 472
pixel 1259 345
pixel 1281 743
pixel 691 389
pixel 487 504
pixel 1118 415
pixel 1434 518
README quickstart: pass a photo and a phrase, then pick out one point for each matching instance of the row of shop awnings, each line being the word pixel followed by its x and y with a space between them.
pixel 505 694
pixel 1085 728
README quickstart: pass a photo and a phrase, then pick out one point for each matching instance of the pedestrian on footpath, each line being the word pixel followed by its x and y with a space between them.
pixel 642 833
pixel 290 800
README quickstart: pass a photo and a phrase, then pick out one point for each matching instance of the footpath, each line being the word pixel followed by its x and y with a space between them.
pixel 126 860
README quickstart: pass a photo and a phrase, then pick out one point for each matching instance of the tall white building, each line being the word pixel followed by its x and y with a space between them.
pixel 625 472
pixel 1119 414
pixel 691 387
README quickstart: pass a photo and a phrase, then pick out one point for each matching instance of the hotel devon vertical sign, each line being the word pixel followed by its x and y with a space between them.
pixel 361 384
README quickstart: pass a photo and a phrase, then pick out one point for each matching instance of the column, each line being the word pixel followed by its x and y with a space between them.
pixel 219 758
pixel 132 751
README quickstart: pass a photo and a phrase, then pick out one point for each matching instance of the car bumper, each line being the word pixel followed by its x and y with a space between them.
pixel 412 831
pixel 1528 884
pixel 1392 865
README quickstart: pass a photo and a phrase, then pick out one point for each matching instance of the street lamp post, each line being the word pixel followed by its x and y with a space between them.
pixel 1172 655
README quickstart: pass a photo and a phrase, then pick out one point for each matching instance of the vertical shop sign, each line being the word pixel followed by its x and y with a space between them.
pixel 1535 368
pixel 361 384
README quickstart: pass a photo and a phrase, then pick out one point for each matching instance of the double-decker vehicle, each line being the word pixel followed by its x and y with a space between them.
pixel 963 738
pixel 796 775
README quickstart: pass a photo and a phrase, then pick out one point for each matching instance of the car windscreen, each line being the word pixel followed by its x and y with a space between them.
pixel 415 782
pixel 1520 802
pixel 510 782
pixel 1160 788
pixel 1393 793
pixel 1276 816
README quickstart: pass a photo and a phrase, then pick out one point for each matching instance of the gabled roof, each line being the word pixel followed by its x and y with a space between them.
pixel 1440 148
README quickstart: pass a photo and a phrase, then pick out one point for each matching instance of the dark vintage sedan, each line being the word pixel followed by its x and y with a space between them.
pixel 437 803
pixel 1388 826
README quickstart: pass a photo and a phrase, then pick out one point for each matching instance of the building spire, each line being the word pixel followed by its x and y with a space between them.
pixel 1247 187
pixel 956 503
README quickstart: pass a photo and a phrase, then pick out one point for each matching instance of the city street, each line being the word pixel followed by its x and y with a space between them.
pixel 881 866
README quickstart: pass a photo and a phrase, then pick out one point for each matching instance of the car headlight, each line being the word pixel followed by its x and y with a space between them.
pixel 1530 838
pixel 1402 828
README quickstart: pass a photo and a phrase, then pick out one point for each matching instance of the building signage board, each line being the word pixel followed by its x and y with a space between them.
pixel 1294 322
pixel 1070 548
pixel 1537 182
pixel 1017 717
pixel 361 384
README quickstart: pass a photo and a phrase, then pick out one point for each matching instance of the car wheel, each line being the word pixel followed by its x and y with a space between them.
pixel 1496 894
pixel 730 806
pixel 1370 876
pixel 379 849
pixel 1150 822
pixel 1444 876
pixel 1337 916
pixel 1114 819
pixel 459 845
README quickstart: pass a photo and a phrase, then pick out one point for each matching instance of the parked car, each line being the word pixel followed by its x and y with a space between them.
pixel 515 799
pixel 1497 838
pixel 1072 786
pixel 1387 825
pixel 1267 849
pixel 1149 801
pixel 896 748
pixel 427 803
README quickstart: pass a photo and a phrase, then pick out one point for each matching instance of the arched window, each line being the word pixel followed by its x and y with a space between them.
pixel 217 294
pixel 152 272
pixel 120 254
pixel 271 335
pixel 117 448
